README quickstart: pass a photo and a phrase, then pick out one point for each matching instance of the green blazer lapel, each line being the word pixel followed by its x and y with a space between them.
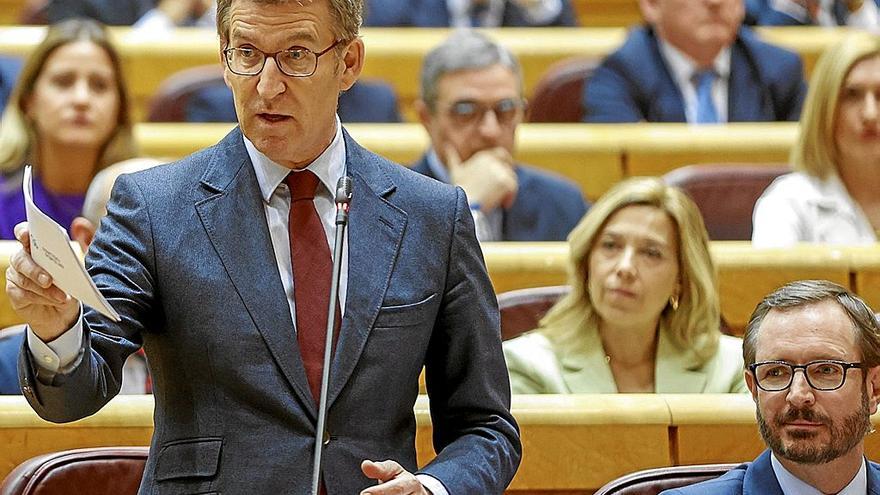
pixel 584 368
pixel 676 372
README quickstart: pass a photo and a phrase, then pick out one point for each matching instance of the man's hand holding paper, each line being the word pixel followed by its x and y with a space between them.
pixel 46 280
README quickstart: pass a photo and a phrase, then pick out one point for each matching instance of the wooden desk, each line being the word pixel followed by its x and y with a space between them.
pixel 607 13
pixel 595 156
pixel 569 442
pixel 393 54
pixel 10 11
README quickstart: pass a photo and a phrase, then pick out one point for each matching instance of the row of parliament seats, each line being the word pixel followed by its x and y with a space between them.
pixel 393 54
pixel 746 274
pixel 594 156
pixel 572 444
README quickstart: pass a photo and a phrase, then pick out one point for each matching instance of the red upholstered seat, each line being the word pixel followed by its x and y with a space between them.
pixel 654 481
pixel 93 471
pixel 725 194
pixel 557 96
pixel 522 309
pixel 171 99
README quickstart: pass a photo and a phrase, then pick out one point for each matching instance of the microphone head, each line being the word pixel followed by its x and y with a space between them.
pixel 343 190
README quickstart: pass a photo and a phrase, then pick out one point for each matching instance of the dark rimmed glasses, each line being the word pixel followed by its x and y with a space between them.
pixel 297 61
pixel 467 112
pixel 824 375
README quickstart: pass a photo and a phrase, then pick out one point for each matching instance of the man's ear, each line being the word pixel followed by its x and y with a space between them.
pixel 82 230
pixel 424 113
pixel 352 63
pixel 872 387
pixel 753 387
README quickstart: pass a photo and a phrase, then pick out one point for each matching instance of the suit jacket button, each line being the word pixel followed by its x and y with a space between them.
pixel 326 437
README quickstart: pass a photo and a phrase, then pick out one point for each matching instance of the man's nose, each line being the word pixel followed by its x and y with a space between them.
pixel 271 82
pixel 800 392
pixel 489 126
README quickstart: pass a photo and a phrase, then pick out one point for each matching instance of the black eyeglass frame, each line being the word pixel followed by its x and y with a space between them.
pixel 795 367
pixel 266 56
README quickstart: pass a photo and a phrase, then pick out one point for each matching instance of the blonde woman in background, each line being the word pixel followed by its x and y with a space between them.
pixel 833 195
pixel 68 117
pixel 643 312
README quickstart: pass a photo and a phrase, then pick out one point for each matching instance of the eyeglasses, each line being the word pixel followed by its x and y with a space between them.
pixel 467 112
pixel 297 61
pixel 825 375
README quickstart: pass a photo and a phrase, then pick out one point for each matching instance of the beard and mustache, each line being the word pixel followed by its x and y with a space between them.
pixel 844 436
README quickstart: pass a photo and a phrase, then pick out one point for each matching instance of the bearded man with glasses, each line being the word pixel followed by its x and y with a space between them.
pixel 471 103
pixel 812 353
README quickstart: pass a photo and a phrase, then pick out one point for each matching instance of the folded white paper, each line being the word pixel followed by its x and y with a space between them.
pixel 50 248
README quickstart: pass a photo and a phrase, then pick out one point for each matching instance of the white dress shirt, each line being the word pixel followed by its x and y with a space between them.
pixel 792 485
pixel 682 68
pixel 865 17
pixel 797 207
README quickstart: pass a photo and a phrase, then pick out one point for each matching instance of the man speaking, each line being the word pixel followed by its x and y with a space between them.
pixel 220 266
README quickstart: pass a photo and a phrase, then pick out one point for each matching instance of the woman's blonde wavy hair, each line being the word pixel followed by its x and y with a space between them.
pixel 694 326
pixel 18 136
pixel 815 151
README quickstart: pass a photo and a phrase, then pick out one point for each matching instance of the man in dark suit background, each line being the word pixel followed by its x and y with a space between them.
pixel 864 14
pixel 812 353
pixel 219 265
pixel 9 69
pixel 695 62
pixel 469 13
pixel 471 103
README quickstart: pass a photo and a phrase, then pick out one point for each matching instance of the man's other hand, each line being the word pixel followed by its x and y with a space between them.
pixel 392 478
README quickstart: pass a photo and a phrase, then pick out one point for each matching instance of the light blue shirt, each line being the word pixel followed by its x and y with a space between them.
pixel 792 485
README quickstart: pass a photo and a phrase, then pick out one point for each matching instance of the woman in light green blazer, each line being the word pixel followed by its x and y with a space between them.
pixel 643 314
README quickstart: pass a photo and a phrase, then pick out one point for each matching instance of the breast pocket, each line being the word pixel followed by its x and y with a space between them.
pixel 188 466
pixel 406 315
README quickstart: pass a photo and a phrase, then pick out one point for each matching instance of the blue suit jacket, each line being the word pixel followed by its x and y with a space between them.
pixel 435 13
pixel 757 478
pixel 112 12
pixel 9 69
pixel 760 12
pixel 366 101
pixel 9 350
pixel 633 84
pixel 546 208
pixel 185 257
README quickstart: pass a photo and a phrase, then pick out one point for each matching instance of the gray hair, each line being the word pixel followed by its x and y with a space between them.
pixel 464 49
pixel 95 203
pixel 805 292
pixel 347 14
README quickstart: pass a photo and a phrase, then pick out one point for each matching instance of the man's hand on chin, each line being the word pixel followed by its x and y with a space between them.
pixel 392 478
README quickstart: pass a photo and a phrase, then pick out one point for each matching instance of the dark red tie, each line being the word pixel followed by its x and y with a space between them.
pixel 312 271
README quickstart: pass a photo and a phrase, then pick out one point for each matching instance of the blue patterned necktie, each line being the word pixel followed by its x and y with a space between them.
pixel 706 112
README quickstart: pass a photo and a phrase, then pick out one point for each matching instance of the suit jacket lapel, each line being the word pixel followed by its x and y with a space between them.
pixel 760 478
pixel 667 103
pixel 584 368
pixel 235 221
pixel 747 98
pixel 374 235
pixel 676 372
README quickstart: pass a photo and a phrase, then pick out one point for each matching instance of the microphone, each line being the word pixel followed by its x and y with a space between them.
pixel 343 201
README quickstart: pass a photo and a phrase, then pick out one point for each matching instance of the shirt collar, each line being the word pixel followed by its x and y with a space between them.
pixel 683 67
pixel 329 166
pixel 792 485
pixel 436 166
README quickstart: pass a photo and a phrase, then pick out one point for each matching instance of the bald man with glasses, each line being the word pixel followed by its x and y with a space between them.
pixel 812 354
pixel 471 103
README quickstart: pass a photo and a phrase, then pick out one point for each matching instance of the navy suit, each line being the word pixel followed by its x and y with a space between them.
pixel 185 256
pixel 762 13
pixel 110 12
pixel 9 69
pixel 757 478
pixel 634 84
pixel 435 13
pixel 366 101
pixel 546 208
pixel 10 346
